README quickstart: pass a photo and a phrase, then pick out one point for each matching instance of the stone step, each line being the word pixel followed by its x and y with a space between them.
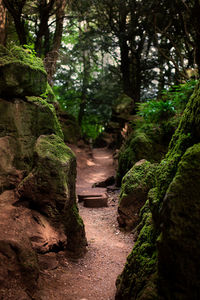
pixel 94 200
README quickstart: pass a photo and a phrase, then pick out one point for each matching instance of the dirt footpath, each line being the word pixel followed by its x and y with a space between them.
pixel 92 277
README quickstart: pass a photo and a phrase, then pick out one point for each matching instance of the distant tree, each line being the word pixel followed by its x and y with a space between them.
pixel 2 23
pixel 41 23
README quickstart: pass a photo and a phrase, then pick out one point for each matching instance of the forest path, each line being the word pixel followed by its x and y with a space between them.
pixel 93 276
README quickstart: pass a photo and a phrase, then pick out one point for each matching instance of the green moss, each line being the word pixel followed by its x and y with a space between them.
pixel 123 104
pixel 21 73
pixel 49 95
pixel 179 242
pixel 52 146
pixel 21 56
pixel 187 134
pixel 140 175
pixel 52 119
pixel 167 250
pixel 140 269
pixel 73 219
pixel 146 142
pixel 75 231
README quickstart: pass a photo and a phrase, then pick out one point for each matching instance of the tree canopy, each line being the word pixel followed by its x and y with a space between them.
pixel 94 51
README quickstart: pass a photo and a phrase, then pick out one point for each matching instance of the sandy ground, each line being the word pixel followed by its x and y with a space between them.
pixel 92 277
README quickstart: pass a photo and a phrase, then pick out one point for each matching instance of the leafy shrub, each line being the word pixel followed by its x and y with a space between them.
pixel 91 127
pixel 172 101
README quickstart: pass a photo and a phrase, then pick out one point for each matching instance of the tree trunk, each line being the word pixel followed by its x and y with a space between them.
pixel 2 23
pixel 16 13
pixel 131 73
pixel 52 57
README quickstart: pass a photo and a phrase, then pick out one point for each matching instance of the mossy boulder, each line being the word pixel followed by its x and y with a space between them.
pixel 35 162
pixel 50 188
pixel 179 242
pixel 171 243
pixel 139 145
pixel 123 105
pixel 135 186
pixel 21 74
pixel 146 141
pixel 138 279
pixel 21 123
pixel 71 129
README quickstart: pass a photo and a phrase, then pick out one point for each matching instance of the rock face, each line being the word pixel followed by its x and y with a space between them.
pixel 150 143
pixel 135 186
pixel 164 262
pixel 36 163
pixel 21 74
pixel 70 128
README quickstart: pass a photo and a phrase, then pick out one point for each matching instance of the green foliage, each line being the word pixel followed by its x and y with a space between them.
pixel 30 49
pixel 91 126
pixel 155 110
pixel 172 101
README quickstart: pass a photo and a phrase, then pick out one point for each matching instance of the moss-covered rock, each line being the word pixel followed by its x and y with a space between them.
pixel 138 279
pixel 171 242
pixel 186 135
pixel 71 129
pixel 50 188
pixel 179 243
pixel 36 163
pixel 21 123
pixel 141 144
pixel 123 105
pixel 21 74
pixel 135 186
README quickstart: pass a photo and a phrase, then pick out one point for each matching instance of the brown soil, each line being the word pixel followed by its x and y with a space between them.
pixel 93 276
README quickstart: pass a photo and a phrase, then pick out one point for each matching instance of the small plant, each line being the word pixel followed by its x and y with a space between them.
pixel 30 49
pixel 171 102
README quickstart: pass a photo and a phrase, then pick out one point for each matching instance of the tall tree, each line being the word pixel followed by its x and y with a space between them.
pixel 2 23
pixel 43 20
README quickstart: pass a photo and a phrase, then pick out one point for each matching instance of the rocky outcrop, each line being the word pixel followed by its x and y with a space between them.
pixel 35 162
pixel 135 186
pixel 150 142
pixel 164 262
pixel 21 73
pixel 70 128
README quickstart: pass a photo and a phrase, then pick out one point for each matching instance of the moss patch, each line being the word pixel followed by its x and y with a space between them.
pixel 52 120
pixel 21 74
pixel 135 186
pixel 165 259
pixel 179 243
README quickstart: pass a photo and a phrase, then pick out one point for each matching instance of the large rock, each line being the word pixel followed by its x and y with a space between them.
pixel 179 242
pixel 21 74
pixel 164 263
pixel 50 188
pixel 135 186
pixel 149 142
pixel 21 123
pixel 70 128
pixel 34 161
